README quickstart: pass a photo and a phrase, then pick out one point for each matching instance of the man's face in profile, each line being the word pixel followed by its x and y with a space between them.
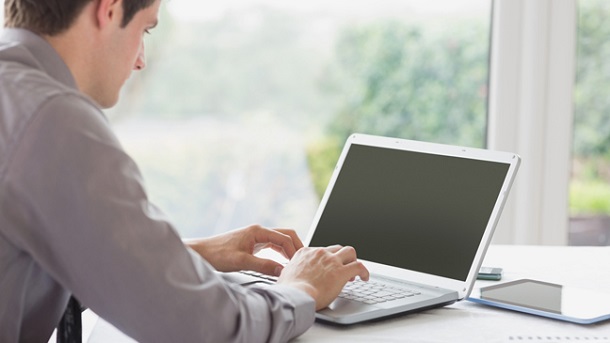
pixel 123 52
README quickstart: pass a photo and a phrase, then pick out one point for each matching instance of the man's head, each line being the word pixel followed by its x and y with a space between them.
pixel 101 41
pixel 51 17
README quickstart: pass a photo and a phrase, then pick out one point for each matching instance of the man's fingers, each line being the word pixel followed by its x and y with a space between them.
pixel 265 266
pixel 334 248
pixel 347 254
pixel 288 244
pixel 356 268
pixel 352 266
pixel 296 241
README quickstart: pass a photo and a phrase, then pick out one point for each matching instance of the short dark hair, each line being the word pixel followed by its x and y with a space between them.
pixel 51 17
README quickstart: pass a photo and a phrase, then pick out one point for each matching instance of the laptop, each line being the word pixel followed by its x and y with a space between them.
pixel 420 216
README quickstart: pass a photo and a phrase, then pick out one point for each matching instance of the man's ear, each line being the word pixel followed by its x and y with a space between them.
pixel 107 11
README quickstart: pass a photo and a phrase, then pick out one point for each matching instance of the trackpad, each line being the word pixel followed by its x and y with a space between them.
pixel 342 306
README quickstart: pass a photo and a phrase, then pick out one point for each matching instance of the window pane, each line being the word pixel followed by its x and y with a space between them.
pixel 590 184
pixel 244 105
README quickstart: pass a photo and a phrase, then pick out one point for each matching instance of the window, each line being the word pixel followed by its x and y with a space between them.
pixel 590 179
pixel 241 113
pixel 244 105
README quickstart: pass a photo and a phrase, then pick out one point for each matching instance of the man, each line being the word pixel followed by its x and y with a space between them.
pixel 74 215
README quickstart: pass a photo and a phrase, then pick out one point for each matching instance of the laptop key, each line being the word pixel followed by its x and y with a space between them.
pixel 372 292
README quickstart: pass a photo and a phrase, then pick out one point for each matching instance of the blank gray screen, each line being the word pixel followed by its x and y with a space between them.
pixel 411 210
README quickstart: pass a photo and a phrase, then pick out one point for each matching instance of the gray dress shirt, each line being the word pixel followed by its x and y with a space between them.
pixel 75 219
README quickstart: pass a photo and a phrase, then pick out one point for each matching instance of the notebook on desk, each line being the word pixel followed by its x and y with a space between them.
pixel 420 216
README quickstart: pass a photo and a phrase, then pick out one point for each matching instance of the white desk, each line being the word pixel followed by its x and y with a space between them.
pixel 587 267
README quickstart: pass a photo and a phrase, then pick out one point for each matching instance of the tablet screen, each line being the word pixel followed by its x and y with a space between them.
pixel 549 298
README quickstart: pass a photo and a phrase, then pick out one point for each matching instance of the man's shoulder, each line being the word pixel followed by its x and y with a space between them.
pixel 22 83
pixel 25 89
pixel 29 95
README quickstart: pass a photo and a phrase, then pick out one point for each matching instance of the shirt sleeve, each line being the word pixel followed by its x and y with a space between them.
pixel 89 224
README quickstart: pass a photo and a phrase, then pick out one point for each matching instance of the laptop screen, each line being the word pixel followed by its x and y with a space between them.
pixel 412 210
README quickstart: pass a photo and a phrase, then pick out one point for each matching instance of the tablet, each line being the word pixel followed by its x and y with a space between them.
pixel 545 299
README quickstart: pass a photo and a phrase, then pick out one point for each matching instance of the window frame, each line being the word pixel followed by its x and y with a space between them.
pixel 532 68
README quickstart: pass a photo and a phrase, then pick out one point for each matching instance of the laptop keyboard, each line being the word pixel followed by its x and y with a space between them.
pixel 368 292
pixel 371 292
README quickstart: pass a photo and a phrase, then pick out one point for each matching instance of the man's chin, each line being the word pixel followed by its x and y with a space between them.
pixel 107 103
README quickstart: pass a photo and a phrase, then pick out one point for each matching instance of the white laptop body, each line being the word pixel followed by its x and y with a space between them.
pixel 420 215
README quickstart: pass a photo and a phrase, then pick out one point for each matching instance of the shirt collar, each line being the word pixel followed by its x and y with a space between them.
pixel 43 54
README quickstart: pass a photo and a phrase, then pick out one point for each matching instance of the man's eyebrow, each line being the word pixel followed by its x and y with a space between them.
pixel 154 23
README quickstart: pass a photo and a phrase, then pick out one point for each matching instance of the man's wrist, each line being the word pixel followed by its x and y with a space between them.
pixel 303 286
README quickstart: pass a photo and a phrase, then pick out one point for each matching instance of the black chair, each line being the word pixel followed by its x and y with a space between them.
pixel 70 328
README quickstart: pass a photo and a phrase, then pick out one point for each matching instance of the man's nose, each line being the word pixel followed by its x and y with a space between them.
pixel 141 60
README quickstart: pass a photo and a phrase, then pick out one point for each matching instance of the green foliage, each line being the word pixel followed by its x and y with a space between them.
pixel 589 197
pixel 590 187
pixel 398 80
pixel 403 81
pixel 394 78
pixel 322 155
pixel 591 101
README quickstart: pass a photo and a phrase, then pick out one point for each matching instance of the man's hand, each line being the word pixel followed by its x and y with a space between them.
pixel 234 250
pixel 322 272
